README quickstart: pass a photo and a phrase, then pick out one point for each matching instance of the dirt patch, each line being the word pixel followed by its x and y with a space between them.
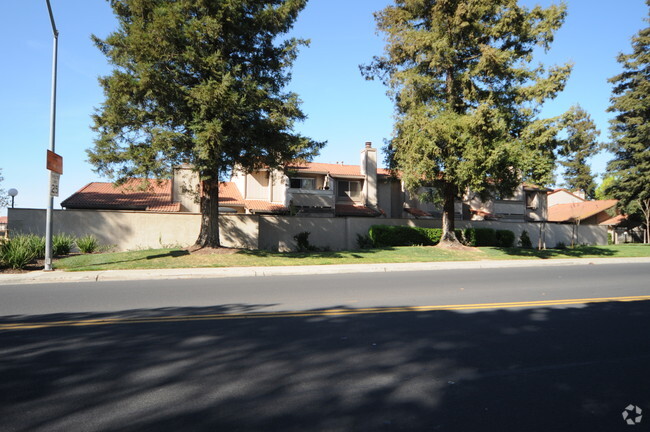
pixel 457 246
pixel 33 266
pixel 195 250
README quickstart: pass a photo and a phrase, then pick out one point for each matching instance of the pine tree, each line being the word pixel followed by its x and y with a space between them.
pixel 467 101
pixel 630 129
pixel 199 82
pixel 581 143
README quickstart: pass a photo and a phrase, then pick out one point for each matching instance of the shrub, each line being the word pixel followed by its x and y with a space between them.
pixel 62 244
pixel 17 252
pixel 35 243
pixel 432 235
pixel 485 237
pixel 388 235
pixel 302 241
pixel 524 240
pixel 469 236
pixel 87 243
pixel 480 237
pixel 364 242
pixel 505 238
pixel 560 245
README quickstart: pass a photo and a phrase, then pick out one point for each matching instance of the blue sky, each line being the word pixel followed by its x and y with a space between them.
pixel 343 108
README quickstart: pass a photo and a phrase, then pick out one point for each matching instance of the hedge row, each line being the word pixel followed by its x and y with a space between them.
pixel 390 235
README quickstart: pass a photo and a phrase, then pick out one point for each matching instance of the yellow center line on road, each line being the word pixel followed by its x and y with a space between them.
pixel 315 313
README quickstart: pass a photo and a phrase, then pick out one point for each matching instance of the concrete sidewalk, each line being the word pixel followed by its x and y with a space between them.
pixel 226 272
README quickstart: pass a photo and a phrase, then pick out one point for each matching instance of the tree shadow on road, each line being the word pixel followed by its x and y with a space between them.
pixel 577 252
pixel 541 369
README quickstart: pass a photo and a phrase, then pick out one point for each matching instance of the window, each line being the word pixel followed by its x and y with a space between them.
pixel 302 183
pixel 350 189
pixel 531 202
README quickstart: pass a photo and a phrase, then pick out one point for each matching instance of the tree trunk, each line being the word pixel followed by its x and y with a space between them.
pixel 209 235
pixel 644 204
pixel 448 222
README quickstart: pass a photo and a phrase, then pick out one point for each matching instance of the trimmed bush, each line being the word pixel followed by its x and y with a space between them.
pixel 87 243
pixel 480 237
pixel 485 237
pixel 389 235
pixel 505 238
pixel 524 240
pixel 62 244
pixel 395 235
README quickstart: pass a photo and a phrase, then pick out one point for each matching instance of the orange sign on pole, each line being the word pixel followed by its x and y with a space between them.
pixel 54 162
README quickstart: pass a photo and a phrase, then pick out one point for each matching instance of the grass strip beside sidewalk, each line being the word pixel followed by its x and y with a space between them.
pixel 180 258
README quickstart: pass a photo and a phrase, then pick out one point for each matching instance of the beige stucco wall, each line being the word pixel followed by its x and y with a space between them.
pixel 129 230
pixel 257 187
pixel 562 197
pixel 276 232
pixel 185 188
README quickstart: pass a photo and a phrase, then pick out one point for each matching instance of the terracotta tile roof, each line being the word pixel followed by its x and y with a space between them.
pixel 482 213
pixel 335 170
pixel 578 211
pixel 229 195
pixel 355 210
pixel 166 208
pixel 128 196
pixel 417 212
pixel 616 220
pixel 259 206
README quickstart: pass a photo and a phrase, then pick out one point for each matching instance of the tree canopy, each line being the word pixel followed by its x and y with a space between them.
pixel 467 99
pixel 199 82
pixel 581 143
pixel 630 128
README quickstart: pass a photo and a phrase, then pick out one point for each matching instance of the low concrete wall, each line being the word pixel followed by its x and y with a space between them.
pixel 128 230
pixel 276 232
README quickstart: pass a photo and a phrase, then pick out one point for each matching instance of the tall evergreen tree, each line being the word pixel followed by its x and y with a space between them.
pixel 581 143
pixel 630 129
pixel 467 100
pixel 199 82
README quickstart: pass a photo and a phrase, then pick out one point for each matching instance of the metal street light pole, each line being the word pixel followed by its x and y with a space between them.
pixel 50 206
pixel 12 193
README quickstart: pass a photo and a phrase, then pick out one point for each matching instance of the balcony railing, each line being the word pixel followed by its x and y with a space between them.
pixel 311 198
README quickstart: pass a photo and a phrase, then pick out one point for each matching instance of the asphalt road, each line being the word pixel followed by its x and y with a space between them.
pixel 269 354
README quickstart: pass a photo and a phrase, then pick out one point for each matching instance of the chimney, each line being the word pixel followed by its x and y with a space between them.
pixel 185 188
pixel 369 171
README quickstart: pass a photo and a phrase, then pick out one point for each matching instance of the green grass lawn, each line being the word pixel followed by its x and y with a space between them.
pixel 179 258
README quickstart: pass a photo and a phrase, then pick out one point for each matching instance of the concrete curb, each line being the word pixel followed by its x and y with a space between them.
pixel 229 272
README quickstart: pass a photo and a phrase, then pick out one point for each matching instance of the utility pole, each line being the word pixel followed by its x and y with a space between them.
pixel 50 196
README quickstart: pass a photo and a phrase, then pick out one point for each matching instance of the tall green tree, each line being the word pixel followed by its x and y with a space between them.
pixel 630 129
pixel 200 82
pixel 581 143
pixel 604 189
pixel 467 100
